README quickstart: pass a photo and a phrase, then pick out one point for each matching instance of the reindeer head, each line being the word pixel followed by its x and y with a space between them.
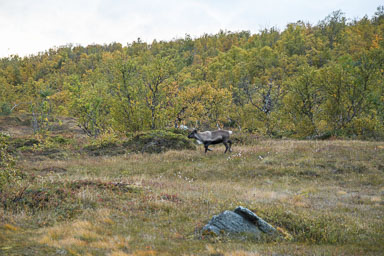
pixel 192 134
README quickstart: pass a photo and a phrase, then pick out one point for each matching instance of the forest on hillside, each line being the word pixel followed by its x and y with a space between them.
pixel 305 81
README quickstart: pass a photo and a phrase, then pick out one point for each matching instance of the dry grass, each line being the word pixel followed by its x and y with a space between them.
pixel 326 198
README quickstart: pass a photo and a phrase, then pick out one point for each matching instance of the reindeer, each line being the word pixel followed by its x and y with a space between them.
pixel 212 137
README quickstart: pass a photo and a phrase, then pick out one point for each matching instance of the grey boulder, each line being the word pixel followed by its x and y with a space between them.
pixel 240 222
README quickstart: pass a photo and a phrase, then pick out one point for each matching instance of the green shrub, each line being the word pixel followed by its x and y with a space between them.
pixel 157 141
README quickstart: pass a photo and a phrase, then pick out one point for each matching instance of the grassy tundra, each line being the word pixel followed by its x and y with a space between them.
pixel 325 197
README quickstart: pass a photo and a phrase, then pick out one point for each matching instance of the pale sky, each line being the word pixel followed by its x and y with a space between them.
pixel 31 26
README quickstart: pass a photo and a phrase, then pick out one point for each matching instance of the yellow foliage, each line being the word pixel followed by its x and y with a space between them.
pixel 375 42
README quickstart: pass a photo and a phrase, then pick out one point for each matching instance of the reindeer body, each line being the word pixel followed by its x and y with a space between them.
pixel 212 137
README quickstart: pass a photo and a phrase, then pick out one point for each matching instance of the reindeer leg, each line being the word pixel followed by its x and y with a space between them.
pixel 206 145
pixel 206 148
pixel 230 145
pixel 226 147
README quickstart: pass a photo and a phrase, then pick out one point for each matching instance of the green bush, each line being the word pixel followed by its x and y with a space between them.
pixel 157 141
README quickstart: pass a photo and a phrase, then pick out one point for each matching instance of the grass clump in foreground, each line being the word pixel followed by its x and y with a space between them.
pixel 325 197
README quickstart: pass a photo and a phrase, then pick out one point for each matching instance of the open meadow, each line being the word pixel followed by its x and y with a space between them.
pixel 325 198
